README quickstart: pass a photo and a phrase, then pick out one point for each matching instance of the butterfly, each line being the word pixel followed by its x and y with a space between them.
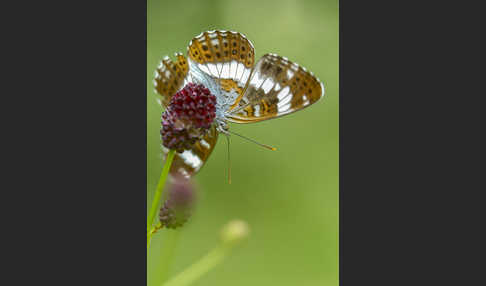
pixel 246 91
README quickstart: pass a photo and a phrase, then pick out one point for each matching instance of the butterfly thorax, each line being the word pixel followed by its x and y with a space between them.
pixel 223 106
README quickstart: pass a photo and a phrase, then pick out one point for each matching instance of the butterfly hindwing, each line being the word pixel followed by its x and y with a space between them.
pixel 276 87
pixel 169 77
pixel 191 161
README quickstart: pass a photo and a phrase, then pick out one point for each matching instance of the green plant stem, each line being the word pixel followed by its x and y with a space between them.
pixel 158 194
pixel 201 267
pixel 167 256
pixel 150 233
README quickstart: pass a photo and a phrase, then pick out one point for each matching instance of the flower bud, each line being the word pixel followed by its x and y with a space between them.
pixel 178 207
pixel 234 232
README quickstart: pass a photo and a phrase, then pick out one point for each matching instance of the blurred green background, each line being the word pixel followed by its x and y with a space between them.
pixel 289 197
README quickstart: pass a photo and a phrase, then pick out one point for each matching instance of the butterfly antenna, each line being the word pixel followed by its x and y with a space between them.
pixel 251 140
pixel 229 159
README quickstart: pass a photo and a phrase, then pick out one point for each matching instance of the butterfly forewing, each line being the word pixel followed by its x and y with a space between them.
pixel 170 77
pixel 191 161
pixel 226 56
pixel 276 87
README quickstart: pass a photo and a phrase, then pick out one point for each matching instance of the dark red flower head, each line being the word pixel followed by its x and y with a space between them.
pixel 189 115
